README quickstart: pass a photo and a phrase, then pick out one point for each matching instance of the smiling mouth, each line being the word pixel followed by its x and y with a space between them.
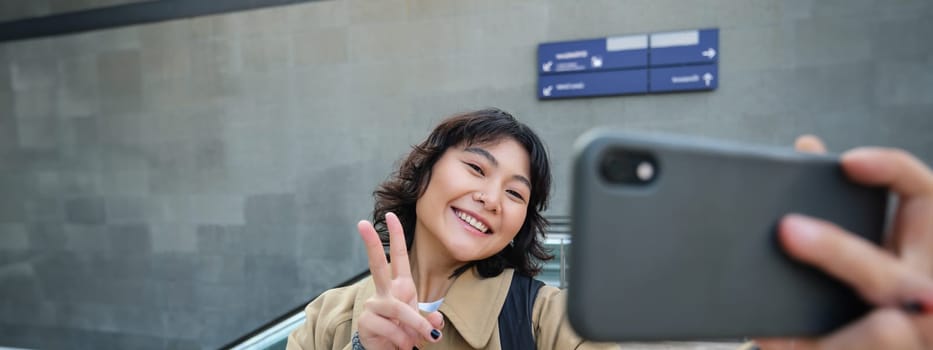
pixel 472 221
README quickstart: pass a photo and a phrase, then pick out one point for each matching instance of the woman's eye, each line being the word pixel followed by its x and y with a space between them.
pixel 515 194
pixel 476 168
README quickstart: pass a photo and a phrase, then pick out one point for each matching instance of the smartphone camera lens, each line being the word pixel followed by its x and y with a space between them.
pixel 644 171
pixel 628 167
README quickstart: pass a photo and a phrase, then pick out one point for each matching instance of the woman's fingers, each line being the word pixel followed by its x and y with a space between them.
pixel 877 275
pixel 809 144
pixel 394 309
pixel 436 319
pixel 398 250
pixel 899 285
pixel 893 168
pixel 403 286
pixel 372 327
pixel 912 236
pixel 924 323
pixel 378 266
pixel 393 314
pixel 881 329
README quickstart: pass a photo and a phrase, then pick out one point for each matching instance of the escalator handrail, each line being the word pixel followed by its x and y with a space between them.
pixel 298 309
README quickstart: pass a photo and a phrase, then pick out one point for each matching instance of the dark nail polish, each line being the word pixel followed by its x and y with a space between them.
pixel 435 334
pixel 913 307
pixel 414 348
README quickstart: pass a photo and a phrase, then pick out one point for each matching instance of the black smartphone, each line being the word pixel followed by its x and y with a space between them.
pixel 674 238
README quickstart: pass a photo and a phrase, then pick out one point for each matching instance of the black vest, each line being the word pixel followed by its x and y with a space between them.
pixel 515 325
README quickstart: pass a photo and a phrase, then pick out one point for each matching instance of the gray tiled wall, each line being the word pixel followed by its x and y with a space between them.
pixel 174 185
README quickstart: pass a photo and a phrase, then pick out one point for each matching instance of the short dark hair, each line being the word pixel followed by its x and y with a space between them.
pixel 402 189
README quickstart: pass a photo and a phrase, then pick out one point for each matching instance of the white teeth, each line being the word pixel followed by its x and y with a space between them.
pixel 472 221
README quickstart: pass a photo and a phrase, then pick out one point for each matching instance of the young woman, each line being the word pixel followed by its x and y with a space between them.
pixel 462 217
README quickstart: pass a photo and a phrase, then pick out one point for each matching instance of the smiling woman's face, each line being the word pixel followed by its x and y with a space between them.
pixel 477 199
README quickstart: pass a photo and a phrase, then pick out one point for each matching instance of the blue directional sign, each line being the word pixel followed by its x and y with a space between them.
pixel 618 82
pixel 684 47
pixel 629 51
pixel 684 78
pixel 632 64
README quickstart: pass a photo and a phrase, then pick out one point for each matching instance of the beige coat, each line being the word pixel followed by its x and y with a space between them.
pixel 471 312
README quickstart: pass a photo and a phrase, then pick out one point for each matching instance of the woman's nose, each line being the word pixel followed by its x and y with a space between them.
pixel 490 201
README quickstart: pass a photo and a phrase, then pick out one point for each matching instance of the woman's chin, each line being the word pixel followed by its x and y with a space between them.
pixel 463 251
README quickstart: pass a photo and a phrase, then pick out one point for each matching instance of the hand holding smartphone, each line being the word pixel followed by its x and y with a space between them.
pixel 674 238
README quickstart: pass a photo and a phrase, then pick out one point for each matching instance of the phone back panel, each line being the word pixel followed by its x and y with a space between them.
pixel 694 254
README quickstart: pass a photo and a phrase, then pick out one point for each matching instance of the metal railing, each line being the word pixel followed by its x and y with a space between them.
pixel 558 241
pixel 554 272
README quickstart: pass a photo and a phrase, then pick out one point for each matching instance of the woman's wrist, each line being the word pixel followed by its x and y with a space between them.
pixel 355 341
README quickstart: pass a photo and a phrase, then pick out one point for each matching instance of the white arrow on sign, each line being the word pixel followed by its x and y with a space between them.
pixel 547 66
pixel 709 53
pixel 547 90
pixel 707 78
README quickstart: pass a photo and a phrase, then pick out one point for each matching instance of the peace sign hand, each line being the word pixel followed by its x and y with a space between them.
pixel 391 318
